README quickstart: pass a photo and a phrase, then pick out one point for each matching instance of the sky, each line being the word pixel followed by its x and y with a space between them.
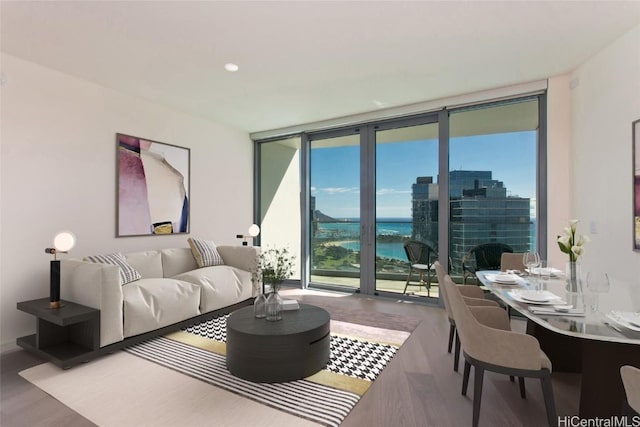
pixel 335 171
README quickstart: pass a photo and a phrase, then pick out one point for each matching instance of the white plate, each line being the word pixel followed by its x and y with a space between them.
pixel 627 319
pixel 505 279
pixel 536 297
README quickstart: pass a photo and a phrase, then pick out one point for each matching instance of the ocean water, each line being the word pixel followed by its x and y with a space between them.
pixel 347 232
pixel 383 249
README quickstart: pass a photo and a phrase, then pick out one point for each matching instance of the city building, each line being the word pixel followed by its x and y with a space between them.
pixel 480 211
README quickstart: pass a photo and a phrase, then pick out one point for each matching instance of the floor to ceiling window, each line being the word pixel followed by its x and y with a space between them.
pixel 406 157
pixel 347 200
pixel 334 209
pixel 493 161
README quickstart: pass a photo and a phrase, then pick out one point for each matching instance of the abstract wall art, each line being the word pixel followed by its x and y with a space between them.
pixel 636 184
pixel 153 187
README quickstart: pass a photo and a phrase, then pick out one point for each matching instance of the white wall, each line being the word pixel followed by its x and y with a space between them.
pixel 280 198
pixel 604 103
pixel 57 171
pixel 558 165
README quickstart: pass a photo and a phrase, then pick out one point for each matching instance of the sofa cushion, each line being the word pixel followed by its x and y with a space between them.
pixel 148 263
pixel 220 286
pixel 153 303
pixel 205 252
pixel 127 272
pixel 177 260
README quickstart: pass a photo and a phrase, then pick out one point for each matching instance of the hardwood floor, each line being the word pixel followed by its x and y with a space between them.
pixel 418 387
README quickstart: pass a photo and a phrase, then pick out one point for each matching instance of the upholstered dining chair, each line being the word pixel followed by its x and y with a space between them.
pixel 512 261
pixel 421 257
pixel 486 256
pixel 489 345
pixel 631 381
pixel 472 295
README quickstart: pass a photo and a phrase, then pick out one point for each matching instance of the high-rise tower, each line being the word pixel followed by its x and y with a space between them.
pixel 480 211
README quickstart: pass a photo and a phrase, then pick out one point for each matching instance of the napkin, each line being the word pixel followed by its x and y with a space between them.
pixel 552 271
pixel 550 311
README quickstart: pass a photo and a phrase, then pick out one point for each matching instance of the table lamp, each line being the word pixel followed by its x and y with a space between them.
pixel 252 232
pixel 62 244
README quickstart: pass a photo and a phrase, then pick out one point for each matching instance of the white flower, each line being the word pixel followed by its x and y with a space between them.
pixel 577 250
pixel 572 243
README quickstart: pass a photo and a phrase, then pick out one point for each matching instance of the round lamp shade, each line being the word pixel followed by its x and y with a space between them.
pixel 64 241
pixel 254 230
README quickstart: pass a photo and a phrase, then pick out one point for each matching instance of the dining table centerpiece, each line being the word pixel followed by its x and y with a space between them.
pixel 572 243
pixel 274 266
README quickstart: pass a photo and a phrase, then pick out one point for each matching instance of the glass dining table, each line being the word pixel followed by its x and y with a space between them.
pixel 577 336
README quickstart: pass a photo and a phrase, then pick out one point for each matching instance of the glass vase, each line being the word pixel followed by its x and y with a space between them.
pixel 260 306
pixel 572 274
pixel 274 306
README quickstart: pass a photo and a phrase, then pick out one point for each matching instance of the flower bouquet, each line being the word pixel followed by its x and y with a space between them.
pixel 572 243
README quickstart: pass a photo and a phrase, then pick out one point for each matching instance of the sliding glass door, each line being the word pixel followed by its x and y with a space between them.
pixel 406 196
pixel 334 209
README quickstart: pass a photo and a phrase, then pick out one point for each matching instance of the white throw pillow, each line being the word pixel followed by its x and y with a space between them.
pixel 127 272
pixel 205 252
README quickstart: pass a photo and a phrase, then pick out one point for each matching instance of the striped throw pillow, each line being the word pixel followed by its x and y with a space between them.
pixel 205 252
pixel 127 272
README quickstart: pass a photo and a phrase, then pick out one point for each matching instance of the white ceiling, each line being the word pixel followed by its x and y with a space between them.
pixel 306 61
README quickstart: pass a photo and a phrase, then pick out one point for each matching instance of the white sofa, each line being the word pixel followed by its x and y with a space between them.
pixel 172 289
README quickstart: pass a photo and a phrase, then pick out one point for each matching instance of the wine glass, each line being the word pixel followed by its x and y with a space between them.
pixel 544 271
pixel 597 283
pixel 531 260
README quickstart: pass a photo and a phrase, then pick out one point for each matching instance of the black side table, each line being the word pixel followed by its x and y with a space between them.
pixel 64 336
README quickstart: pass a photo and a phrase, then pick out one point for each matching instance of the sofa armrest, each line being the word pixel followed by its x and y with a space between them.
pixel 98 286
pixel 242 257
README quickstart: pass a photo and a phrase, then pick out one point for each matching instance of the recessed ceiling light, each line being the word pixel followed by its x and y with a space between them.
pixel 230 67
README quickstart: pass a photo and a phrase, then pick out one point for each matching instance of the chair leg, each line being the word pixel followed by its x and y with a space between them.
pixel 408 278
pixel 512 378
pixel 465 377
pixel 456 355
pixel 547 392
pixel 523 392
pixel 477 393
pixel 452 333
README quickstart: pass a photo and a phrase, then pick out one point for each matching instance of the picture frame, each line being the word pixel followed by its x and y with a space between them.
pixel 636 183
pixel 152 187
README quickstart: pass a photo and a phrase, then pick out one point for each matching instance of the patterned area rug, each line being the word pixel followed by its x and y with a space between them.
pixel 324 398
pixel 353 357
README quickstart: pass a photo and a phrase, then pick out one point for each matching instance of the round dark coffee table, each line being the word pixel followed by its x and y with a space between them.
pixel 289 349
